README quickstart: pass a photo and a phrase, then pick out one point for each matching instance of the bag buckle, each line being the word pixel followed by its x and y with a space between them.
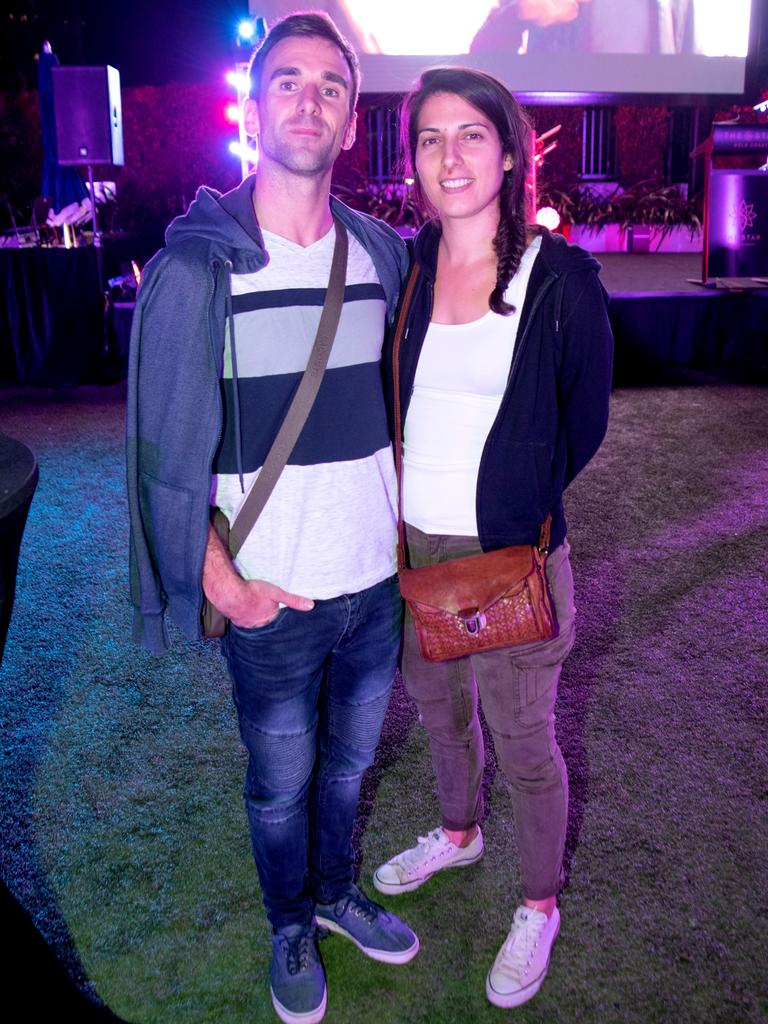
pixel 473 620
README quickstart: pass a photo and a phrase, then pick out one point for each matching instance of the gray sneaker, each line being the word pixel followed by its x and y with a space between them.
pixel 522 962
pixel 297 978
pixel 412 868
pixel 379 934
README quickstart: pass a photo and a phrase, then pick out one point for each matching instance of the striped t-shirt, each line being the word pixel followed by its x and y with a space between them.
pixel 329 525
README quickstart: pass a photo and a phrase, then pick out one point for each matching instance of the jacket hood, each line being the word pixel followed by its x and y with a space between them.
pixel 556 253
pixel 226 224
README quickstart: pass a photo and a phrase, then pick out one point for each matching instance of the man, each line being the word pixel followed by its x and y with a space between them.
pixel 312 597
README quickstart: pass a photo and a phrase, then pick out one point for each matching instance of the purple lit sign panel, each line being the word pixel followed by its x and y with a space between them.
pixel 738 224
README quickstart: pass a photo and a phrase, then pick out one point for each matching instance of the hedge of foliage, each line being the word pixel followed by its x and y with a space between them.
pixel 176 138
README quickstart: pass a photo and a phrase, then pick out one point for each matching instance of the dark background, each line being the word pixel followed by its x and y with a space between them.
pixel 172 56
pixel 150 42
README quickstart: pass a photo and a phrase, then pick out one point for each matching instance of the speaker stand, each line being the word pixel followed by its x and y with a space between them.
pixel 99 269
pixel 96 234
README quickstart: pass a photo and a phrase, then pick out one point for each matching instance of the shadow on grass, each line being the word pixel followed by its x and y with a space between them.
pixel 55 994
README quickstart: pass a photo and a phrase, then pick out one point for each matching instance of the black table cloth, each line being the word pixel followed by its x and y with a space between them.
pixel 52 324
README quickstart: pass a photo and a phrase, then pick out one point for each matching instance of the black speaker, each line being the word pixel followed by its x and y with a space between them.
pixel 89 118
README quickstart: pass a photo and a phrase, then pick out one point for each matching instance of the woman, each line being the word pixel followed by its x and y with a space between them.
pixel 505 371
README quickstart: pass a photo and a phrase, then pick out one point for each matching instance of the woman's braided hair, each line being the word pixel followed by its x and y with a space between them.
pixel 490 96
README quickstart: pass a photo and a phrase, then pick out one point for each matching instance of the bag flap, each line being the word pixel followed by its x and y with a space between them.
pixel 474 582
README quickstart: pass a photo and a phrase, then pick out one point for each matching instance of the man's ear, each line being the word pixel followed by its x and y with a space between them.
pixel 350 132
pixel 251 118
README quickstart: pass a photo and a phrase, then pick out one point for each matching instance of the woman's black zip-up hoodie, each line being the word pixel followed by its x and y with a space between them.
pixel 554 412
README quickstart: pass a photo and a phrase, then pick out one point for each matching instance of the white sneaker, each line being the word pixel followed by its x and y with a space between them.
pixel 522 962
pixel 412 868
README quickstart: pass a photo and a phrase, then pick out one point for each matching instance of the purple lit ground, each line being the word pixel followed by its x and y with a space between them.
pixel 124 832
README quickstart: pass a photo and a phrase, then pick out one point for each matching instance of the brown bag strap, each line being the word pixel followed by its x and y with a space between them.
pixel 544 533
pixel 303 400
pixel 398 440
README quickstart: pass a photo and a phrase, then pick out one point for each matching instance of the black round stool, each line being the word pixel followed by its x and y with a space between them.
pixel 18 480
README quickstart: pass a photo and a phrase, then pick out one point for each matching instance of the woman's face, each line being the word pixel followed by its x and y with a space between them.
pixel 459 159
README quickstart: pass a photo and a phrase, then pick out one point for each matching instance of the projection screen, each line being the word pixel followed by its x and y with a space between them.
pixel 548 46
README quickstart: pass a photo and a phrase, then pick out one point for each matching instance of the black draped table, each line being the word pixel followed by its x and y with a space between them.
pixel 53 332
pixel 52 325
pixel 18 480
pixel 660 318
pixel 52 318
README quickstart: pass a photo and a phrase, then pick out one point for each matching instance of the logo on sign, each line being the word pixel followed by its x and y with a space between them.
pixel 745 215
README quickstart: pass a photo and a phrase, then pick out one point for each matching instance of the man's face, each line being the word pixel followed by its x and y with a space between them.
pixel 301 115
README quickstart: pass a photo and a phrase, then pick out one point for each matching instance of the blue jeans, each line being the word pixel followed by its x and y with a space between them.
pixel 311 690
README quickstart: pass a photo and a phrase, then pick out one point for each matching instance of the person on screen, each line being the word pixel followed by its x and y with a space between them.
pixel 588 26
pixel 505 375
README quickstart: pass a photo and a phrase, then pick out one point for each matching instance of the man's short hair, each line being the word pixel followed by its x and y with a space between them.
pixel 305 23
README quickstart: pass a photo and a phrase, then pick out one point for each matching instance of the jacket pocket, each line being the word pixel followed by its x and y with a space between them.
pixel 525 480
pixel 166 514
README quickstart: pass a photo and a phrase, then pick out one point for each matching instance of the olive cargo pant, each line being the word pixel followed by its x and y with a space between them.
pixel 518 688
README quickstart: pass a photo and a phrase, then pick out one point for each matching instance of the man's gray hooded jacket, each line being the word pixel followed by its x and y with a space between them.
pixel 174 412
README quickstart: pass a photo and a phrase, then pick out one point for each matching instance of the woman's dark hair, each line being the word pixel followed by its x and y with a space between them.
pixel 498 104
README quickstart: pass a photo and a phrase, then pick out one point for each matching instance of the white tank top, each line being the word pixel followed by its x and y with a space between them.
pixel 459 384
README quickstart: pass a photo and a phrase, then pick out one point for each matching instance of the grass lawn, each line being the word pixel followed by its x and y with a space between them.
pixel 125 832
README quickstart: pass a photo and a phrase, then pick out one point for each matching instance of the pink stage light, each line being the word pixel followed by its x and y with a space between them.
pixel 232 113
pixel 238 80
pixel 548 217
